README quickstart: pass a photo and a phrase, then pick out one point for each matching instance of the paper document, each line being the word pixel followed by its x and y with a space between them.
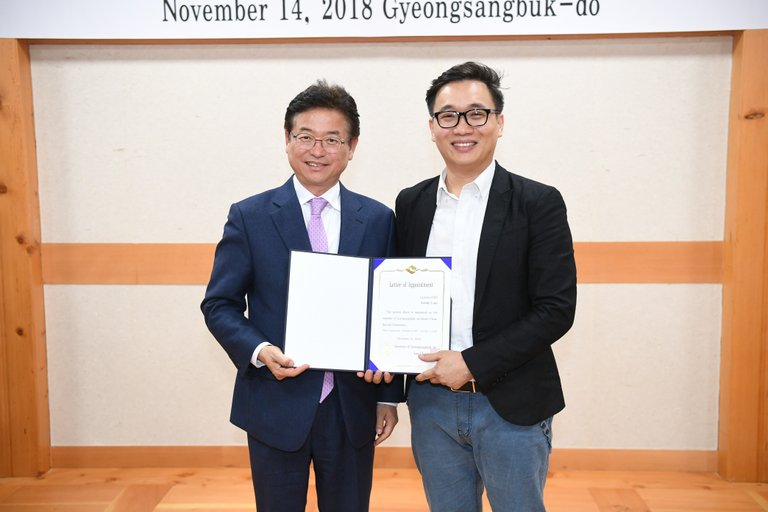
pixel 354 313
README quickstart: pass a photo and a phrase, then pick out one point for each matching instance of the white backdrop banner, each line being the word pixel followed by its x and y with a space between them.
pixel 198 19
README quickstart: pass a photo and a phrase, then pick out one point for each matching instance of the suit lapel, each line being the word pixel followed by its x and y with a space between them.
pixel 353 222
pixel 499 198
pixel 423 215
pixel 288 218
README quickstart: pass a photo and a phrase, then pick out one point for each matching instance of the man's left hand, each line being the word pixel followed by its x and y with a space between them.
pixel 449 370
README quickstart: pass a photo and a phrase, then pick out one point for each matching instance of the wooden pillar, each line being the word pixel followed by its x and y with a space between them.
pixel 24 417
pixel 742 450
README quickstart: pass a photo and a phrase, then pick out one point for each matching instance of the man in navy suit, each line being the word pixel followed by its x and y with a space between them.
pixel 481 417
pixel 289 419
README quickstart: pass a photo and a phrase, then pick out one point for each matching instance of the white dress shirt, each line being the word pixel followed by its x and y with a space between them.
pixel 331 216
pixel 456 233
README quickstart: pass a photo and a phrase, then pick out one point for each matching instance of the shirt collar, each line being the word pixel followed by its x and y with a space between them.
pixel 482 182
pixel 332 195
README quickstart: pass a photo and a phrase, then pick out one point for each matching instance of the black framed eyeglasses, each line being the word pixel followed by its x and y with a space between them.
pixel 474 117
pixel 306 141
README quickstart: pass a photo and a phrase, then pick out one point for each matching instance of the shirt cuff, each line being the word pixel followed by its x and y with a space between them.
pixel 255 357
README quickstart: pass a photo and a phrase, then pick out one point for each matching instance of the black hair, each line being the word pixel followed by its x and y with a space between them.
pixel 323 95
pixel 468 71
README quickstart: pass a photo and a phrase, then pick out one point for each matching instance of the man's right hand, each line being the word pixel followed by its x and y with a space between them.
pixel 377 377
pixel 279 364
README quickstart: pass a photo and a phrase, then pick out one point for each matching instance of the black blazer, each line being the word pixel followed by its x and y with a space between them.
pixel 525 295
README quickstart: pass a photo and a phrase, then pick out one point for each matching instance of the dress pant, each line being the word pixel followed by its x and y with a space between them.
pixel 343 473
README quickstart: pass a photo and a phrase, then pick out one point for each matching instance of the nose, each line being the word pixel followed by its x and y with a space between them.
pixel 317 148
pixel 463 126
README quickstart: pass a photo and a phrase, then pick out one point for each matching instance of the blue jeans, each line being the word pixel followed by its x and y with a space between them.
pixel 462 445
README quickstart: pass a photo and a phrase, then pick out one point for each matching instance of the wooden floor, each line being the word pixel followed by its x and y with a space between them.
pixel 394 490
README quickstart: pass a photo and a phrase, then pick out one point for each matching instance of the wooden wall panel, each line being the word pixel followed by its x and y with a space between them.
pixel 743 270
pixel 24 378
pixel 743 403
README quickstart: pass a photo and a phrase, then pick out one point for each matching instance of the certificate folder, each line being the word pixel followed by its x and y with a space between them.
pixel 351 313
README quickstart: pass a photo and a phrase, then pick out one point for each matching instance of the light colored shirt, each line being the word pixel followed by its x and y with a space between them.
pixel 456 233
pixel 331 216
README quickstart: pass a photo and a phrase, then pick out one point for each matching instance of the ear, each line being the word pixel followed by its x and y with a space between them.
pixel 432 128
pixel 501 124
pixel 352 146
pixel 287 139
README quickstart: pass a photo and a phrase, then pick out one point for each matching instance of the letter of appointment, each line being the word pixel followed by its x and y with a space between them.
pixel 350 313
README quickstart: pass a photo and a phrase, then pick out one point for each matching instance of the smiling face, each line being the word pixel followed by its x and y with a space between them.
pixel 466 150
pixel 315 168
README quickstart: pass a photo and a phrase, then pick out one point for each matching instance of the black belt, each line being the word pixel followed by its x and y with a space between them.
pixel 469 387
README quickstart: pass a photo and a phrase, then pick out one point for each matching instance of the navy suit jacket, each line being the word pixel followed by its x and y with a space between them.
pixel 251 270
pixel 525 292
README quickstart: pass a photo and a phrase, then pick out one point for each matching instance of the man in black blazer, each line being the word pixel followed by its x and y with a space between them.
pixel 481 417
pixel 290 417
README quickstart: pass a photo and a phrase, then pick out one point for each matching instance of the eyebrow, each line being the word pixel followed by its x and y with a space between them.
pixel 310 130
pixel 452 108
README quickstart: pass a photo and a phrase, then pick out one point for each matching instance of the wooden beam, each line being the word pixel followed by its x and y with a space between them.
pixel 127 263
pixel 597 262
pixel 384 39
pixel 24 381
pixel 649 262
pixel 742 438
pixel 6 465
pixel 762 455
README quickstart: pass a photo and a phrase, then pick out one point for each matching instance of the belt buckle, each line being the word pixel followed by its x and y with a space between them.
pixel 473 385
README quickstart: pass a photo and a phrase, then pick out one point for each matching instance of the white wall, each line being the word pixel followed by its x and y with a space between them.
pixel 152 143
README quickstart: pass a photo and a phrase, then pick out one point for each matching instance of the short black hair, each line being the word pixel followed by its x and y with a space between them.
pixel 468 71
pixel 323 95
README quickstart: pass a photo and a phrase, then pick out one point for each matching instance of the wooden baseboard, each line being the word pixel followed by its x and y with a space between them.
pixel 148 456
pixel 386 457
pixel 704 461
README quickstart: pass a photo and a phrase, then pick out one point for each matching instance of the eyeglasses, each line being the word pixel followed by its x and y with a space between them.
pixel 474 117
pixel 307 142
